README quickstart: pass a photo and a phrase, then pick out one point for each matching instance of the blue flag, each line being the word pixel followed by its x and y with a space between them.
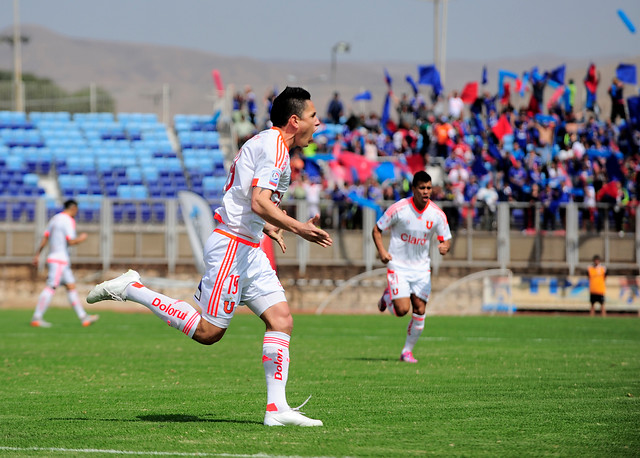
pixel 386 113
pixel 525 81
pixel 387 79
pixel 627 21
pixel 485 77
pixel 535 75
pixel 502 74
pixel 364 95
pixel 633 104
pixel 627 73
pixel 557 74
pixel 413 84
pixel 429 75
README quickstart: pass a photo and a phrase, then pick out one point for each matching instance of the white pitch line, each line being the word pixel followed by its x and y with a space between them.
pixel 133 452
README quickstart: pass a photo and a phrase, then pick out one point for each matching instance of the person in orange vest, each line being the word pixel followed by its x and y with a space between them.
pixel 597 273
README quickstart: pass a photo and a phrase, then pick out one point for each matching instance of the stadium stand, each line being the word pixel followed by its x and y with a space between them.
pixel 126 156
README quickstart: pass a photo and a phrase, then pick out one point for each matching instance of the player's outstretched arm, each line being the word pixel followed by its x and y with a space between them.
pixel 262 205
pixel 79 239
pixel 385 256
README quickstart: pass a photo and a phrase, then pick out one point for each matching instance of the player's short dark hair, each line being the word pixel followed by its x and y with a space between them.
pixel 70 203
pixel 596 258
pixel 291 101
pixel 420 177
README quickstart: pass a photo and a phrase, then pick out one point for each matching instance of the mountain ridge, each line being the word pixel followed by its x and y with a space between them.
pixel 134 73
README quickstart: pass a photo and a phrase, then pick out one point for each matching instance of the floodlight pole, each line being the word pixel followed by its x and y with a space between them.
pixel 440 37
pixel 17 59
pixel 339 47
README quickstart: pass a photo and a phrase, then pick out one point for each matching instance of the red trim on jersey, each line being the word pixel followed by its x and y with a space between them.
pixel 281 148
pixel 395 208
pixel 218 218
pixel 413 204
pixel 237 238
pixel 254 182
pixel 439 210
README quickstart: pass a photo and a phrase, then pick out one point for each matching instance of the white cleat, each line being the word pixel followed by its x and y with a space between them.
pixel 40 324
pixel 289 418
pixel 113 290
pixel 89 320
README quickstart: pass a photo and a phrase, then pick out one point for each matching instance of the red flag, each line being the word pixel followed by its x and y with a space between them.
pixel 506 94
pixel 217 79
pixel 470 92
pixel 591 80
pixel 416 161
pixel 502 127
pixel 555 96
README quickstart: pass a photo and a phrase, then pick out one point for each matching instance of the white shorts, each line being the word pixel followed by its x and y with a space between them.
pixel 59 273
pixel 237 272
pixel 405 282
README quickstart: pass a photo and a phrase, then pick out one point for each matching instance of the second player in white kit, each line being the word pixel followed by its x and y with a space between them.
pixel 412 222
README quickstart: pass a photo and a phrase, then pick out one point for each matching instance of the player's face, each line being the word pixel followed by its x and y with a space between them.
pixel 422 193
pixel 307 125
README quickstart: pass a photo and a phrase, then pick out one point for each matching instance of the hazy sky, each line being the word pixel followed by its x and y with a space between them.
pixel 377 30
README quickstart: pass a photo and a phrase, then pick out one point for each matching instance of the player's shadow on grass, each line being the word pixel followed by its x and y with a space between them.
pixel 181 418
pixel 164 418
pixel 365 358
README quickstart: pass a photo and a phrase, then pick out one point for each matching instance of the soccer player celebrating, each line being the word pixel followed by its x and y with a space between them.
pixel 60 234
pixel 412 222
pixel 236 269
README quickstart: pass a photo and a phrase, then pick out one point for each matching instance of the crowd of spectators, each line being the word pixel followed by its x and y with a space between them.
pixel 485 151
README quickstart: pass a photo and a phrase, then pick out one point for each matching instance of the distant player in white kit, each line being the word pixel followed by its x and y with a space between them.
pixel 412 222
pixel 60 234
pixel 236 269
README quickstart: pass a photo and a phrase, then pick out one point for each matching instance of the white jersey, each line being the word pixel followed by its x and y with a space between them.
pixel 411 231
pixel 263 161
pixel 60 229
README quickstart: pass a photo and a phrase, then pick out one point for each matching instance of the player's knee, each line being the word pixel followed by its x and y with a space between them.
pixel 208 334
pixel 281 323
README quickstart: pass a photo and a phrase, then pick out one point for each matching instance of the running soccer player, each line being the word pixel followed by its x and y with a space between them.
pixel 412 221
pixel 236 269
pixel 60 234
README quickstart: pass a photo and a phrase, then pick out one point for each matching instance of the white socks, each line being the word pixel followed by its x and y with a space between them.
pixel 72 294
pixel 176 313
pixel 275 359
pixel 43 302
pixel 414 330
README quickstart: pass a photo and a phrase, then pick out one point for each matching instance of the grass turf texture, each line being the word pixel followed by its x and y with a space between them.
pixel 484 386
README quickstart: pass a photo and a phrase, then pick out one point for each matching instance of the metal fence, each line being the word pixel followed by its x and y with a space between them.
pixel 481 239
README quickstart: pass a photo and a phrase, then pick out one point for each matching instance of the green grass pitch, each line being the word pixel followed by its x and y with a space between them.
pixel 484 386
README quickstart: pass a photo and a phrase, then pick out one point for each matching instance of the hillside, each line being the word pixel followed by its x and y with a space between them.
pixel 134 73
